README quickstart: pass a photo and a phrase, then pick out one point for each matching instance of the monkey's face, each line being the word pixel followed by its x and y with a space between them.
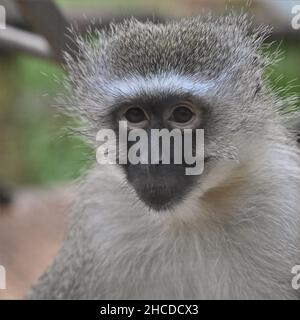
pixel 163 185
pixel 158 167
pixel 190 74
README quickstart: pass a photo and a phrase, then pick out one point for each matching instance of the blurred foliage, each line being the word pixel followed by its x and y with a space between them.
pixel 49 154
pixel 287 70
pixel 111 4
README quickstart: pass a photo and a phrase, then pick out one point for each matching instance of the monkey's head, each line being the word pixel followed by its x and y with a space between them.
pixel 195 73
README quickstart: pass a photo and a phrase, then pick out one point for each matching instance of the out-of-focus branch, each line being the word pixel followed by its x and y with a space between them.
pixel 15 39
pixel 5 195
pixel 46 19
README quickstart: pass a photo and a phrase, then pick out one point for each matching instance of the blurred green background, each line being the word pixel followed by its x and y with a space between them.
pixel 35 148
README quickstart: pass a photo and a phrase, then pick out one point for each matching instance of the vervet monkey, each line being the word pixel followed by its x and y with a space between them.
pixel 151 231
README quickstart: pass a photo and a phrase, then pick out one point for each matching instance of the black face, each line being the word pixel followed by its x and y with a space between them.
pixel 161 186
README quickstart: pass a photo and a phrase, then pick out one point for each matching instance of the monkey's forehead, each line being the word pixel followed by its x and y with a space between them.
pixel 188 46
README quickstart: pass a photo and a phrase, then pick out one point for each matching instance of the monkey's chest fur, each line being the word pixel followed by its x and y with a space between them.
pixel 120 250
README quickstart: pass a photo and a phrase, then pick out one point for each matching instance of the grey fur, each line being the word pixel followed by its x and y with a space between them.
pixel 235 236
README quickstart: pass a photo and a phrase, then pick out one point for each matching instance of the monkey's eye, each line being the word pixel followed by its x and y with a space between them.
pixel 181 114
pixel 135 115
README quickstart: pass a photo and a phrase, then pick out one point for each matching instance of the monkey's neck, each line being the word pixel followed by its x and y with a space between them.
pixel 239 240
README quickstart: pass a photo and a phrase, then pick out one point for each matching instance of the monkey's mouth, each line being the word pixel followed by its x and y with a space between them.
pixel 160 187
pixel 159 198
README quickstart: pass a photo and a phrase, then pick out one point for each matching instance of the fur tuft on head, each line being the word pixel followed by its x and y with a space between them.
pixel 204 54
